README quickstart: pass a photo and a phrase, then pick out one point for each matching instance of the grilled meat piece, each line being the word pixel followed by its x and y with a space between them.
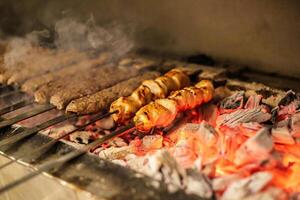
pixel 162 112
pixel 149 90
pixel 45 63
pixel 31 85
pixel 90 82
pixel 101 100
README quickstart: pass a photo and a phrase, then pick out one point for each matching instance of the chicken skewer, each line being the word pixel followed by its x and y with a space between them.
pixel 124 108
pixel 162 112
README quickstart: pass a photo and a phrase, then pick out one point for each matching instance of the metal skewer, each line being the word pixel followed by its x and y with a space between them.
pixel 36 153
pixel 56 164
pixel 10 93
pixel 27 115
pixel 15 106
pixel 31 131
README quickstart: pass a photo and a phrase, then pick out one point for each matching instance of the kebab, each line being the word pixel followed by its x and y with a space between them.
pixel 162 112
pixel 124 108
pixel 101 100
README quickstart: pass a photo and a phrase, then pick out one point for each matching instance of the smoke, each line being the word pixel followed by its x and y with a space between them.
pixel 70 34
pixel 19 48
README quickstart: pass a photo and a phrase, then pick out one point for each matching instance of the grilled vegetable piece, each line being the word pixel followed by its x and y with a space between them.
pixel 149 90
pixel 101 100
pixel 162 112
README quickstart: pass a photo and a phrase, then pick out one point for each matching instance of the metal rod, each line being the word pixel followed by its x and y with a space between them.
pixel 57 163
pixel 5 88
pixel 31 131
pixel 10 93
pixel 27 115
pixel 36 153
pixel 15 106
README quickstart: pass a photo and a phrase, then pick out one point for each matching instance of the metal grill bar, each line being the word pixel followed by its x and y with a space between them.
pixel 36 153
pixel 10 93
pixel 27 115
pixel 15 106
pixel 57 163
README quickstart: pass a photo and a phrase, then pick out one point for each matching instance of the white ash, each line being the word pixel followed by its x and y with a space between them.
pixel 272 193
pixel 221 183
pixel 81 137
pixel 161 166
pixel 198 184
pixel 255 149
pixel 113 153
pixel 117 142
pixel 247 186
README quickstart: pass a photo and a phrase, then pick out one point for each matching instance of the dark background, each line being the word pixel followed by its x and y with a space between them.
pixel 263 34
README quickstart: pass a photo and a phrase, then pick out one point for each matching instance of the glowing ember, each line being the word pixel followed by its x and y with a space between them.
pixel 234 149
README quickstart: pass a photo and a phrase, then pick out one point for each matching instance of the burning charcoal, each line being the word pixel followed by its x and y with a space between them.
pixel 198 184
pixel 152 142
pixel 250 129
pixel 290 109
pixel 113 153
pixel 163 167
pixel 295 125
pixel 194 140
pixel 289 97
pixel 247 186
pixel 256 148
pixel 243 116
pixel 232 102
pixel 204 132
pixel 221 183
pixel 282 135
pixel 253 101
pixel 184 152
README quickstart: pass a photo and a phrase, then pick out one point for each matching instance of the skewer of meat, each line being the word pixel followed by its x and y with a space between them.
pixel 45 63
pixel 60 92
pixel 101 100
pixel 124 108
pixel 162 112
pixel 31 85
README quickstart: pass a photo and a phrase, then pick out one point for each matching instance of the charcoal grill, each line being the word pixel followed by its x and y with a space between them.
pixel 260 57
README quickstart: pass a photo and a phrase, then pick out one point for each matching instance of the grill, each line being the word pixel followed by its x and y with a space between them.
pixel 120 111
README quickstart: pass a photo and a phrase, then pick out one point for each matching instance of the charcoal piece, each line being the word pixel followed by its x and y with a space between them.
pixel 243 116
pixel 234 101
pixel 255 149
pixel 288 98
